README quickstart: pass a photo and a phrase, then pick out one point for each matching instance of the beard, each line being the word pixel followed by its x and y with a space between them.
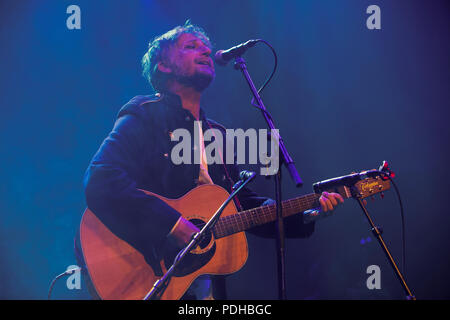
pixel 199 80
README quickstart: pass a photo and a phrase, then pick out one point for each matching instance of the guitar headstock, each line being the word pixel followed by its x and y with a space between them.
pixel 357 185
pixel 370 186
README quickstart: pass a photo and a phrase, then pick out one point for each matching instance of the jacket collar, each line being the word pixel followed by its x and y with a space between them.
pixel 174 101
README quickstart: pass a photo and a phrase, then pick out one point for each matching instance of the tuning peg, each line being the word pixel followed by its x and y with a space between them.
pixel 385 168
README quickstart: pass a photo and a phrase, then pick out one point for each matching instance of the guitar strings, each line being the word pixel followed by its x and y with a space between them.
pixel 246 219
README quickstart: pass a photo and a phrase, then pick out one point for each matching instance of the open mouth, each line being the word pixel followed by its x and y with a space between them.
pixel 204 63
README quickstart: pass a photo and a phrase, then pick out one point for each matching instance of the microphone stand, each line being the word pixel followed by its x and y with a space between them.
pixel 161 284
pixel 281 251
pixel 377 233
pixel 286 160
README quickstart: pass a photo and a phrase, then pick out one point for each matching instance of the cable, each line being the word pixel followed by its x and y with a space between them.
pixel 268 79
pixel 65 273
pixel 387 175
pixel 274 66
pixel 403 227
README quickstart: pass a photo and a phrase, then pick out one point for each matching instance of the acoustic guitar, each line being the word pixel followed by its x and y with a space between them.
pixel 118 271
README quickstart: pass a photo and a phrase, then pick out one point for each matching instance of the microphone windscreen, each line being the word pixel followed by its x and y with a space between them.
pixel 218 58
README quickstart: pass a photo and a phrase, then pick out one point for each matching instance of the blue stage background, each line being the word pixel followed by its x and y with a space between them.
pixel 345 98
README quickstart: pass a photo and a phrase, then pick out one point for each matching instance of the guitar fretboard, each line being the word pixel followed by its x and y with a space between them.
pixel 247 219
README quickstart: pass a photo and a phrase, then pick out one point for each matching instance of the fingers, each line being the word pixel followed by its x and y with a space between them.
pixel 330 200
pixel 325 203
pixel 331 197
pixel 339 197
pixel 335 196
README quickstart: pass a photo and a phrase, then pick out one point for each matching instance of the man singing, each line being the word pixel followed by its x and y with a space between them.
pixel 137 155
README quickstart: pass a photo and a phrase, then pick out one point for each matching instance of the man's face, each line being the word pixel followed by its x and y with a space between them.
pixel 190 63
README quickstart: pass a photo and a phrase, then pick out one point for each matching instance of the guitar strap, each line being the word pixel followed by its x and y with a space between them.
pixel 236 200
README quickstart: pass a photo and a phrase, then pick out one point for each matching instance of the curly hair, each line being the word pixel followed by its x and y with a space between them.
pixel 158 48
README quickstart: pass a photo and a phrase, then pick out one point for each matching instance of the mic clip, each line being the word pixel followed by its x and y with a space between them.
pixel 243 177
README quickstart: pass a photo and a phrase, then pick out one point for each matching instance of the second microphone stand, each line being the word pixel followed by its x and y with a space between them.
pixel 377 233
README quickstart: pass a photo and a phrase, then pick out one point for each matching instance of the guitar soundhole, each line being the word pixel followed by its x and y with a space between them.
pixel 198 257
pixel 206 238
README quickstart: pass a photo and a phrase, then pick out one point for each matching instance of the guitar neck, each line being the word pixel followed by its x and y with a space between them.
pixel 247 219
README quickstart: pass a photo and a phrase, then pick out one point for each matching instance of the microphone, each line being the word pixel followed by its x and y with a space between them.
pixel 70 271
pixel 65 273
pixel 243 177
pixel 223 56
pixel 348 180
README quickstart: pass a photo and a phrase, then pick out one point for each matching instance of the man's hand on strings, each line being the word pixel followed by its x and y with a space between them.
pixel 329 201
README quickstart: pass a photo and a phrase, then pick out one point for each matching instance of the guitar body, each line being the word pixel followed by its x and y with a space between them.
pixel 120 272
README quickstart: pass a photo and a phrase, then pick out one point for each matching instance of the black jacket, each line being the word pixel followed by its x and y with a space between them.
pixel 136 155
